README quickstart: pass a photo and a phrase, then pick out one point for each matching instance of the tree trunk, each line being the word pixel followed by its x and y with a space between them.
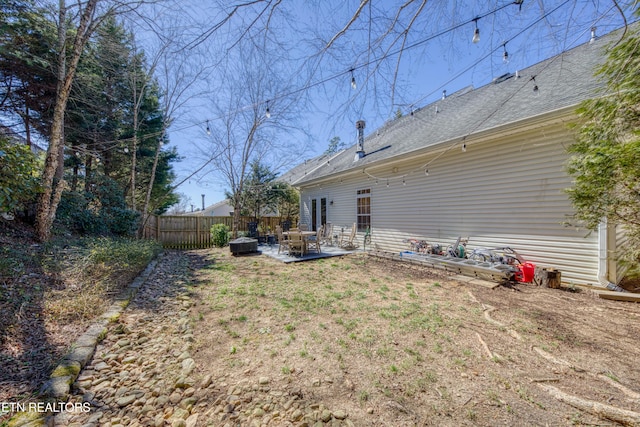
pixel 52 189
pixel 147 199
pixel 134 159
pixel 88 165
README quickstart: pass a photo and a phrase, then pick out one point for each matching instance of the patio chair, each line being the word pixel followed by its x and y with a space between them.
pixel 327 234
pixel 296 244
pixel 283 243
pixel 348 242
pixel 315 241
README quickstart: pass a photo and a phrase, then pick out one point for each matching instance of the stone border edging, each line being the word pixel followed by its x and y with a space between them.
pixel 58 387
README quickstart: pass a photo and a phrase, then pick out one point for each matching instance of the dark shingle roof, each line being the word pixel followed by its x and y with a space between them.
pixel 563 81
pixel 309 166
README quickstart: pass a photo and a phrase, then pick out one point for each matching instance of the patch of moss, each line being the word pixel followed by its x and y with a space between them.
pixel 67 369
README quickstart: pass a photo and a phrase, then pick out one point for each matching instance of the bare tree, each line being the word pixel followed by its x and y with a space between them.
pixel 178 72
pixel 251 127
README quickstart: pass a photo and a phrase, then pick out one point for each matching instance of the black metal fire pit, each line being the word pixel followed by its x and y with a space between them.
pixel 243 245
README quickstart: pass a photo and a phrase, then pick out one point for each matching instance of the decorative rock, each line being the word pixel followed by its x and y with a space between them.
pixel 180 413
pixel 101 367
pixel 192 421
pixel 325 415
pixel 123 342
pixel 175 398
pixel 184 383
pixel 340 415
pixel 263 380
pixel 126 400
pixel 206 381
pixel 58 387
pixel 188 365
pixel 297 415
pixel 130 359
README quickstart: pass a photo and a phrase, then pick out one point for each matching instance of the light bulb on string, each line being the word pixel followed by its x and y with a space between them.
pixel 404 182
pixel 536 90
pixel 426 172
pixel 476 32
pixel 505 54
pixel 593 35
pixel 387 183
pixel 268 112
pixel 208 128
pixel 464 148
pixel 353 80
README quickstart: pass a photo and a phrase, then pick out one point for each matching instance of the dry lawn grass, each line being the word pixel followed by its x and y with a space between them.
pixel 393 344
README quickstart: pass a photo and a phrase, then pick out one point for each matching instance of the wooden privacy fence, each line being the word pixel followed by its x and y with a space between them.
pixel 189 232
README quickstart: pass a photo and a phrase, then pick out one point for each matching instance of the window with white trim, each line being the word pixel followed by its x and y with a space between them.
pixel 363 214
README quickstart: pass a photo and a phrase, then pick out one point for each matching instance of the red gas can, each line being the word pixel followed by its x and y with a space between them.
pixel 526 272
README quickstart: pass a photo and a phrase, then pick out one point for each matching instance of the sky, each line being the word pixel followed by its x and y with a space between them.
pixel 391 77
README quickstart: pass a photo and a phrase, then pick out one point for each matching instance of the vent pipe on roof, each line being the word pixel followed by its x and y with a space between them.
pixel 360 124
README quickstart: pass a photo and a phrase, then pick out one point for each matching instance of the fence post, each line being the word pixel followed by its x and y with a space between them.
pixel 198 238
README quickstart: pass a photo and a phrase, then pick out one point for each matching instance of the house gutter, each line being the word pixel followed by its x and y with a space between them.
pixel 604 234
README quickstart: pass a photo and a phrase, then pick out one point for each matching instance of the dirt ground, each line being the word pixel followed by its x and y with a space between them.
pixel 396 345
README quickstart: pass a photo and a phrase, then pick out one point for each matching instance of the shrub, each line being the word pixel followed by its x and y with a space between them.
pixel 18 176
pixel 219 235
pixel 102 211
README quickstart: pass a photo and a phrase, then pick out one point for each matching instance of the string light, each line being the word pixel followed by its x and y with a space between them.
pixel 476 32
pixel 387 55
pixel 268 112
pixel 387 183
pixel 464 148
pixel 208 128
pixel 593 35
pixel 505 54
pixel 519 2
pixel 518 75
pixel 353 80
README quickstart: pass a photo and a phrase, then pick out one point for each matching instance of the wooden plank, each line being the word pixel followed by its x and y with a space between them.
pixel 475 281
pixel 618 296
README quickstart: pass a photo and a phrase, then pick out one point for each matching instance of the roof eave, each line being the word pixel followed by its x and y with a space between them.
pixel 560 115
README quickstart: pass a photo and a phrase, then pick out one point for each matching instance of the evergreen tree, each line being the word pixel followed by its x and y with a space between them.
pixel 605 161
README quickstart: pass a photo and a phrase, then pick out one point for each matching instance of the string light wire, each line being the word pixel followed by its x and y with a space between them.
pixel 115 143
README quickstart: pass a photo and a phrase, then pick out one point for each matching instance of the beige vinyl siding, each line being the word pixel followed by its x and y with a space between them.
pixel 500 192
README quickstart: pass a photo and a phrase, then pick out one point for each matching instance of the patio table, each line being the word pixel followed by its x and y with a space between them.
pixel 305 237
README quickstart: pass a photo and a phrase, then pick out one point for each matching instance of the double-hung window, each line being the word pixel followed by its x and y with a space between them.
pixel 363 203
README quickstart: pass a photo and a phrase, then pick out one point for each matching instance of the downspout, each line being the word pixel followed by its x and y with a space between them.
pixel 604 234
